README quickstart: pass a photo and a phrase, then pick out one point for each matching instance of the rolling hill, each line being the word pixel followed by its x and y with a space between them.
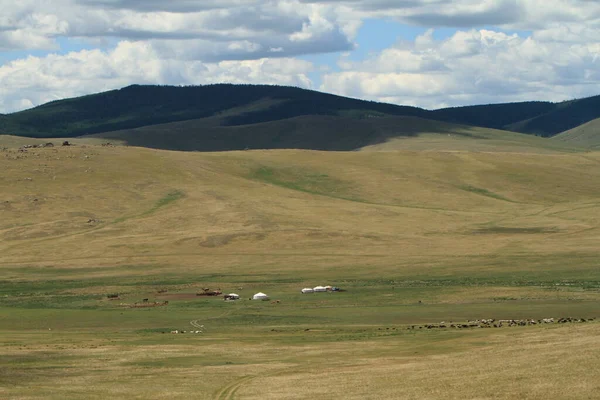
pixel 564 116
pixel 586 135
pixel 234 117
pixel 289 202
pixel 496 116
pixel 537 118
pixel 331 133
pixel 137 106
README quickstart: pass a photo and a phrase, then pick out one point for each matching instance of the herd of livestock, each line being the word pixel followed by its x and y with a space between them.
pixel 493 323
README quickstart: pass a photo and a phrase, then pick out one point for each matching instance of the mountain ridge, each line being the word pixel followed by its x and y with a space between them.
pixel 248 107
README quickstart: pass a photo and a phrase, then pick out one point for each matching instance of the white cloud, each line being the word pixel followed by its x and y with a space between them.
pixel 515 14
pixel 470 67
pixel 36 80
pixel 555 56
pixel 213 29
pixel 282 21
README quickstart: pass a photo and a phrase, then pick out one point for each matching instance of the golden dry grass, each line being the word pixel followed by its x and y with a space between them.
pixel 537 363
pixel 93 205
pixel 533 365
pixel 586 135
pixel 470 234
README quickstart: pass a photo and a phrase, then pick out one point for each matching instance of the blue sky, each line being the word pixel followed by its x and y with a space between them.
pixel 428 53
pixel 375 35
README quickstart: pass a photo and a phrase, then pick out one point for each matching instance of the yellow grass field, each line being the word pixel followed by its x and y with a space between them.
pixel 415 236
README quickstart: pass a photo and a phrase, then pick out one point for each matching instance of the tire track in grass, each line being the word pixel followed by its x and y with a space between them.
pixel 197 323
pixel 228 392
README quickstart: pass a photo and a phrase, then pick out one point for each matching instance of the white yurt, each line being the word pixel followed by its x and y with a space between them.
pixel 233 296
pixel 308 290
pixel 320 289
pixel 260 296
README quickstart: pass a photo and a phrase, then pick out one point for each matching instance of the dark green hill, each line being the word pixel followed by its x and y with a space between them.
pixel 537 118
pixel 251 109
pixel 563 117
pixel 496 116
pixel 137 106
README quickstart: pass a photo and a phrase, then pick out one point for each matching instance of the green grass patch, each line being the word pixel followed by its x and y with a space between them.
pixel 507 230
pixel 484 192
pixel 168 199
pixel 307 181
pixel 171 197
pixel 51 302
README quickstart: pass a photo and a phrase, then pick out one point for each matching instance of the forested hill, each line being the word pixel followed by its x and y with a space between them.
pixel 138 106
pixel 539 118
pixel 496 116
pixel 228 105
pixel 563 117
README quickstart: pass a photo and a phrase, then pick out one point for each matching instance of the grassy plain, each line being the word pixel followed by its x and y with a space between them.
pixel 414 237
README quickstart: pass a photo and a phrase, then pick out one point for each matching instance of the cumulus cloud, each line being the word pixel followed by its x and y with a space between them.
pixel 475 66
pixel 34 24
pixel 36 80
pixel 517 14
pixel 214 28
pixel 555 56
pixel 22 26
pixel 172 5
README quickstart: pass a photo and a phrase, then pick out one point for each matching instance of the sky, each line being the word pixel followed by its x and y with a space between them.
pixel 426 53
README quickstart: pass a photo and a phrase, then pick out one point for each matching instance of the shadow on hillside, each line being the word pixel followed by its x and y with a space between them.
pixel 327 133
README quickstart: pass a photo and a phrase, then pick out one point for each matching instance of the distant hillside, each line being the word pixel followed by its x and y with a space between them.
pixel 564 116
pixel 538 118
pixel 137 106
pixel 332 133
pixel 496 116
pixel 586 135
pixel 234 117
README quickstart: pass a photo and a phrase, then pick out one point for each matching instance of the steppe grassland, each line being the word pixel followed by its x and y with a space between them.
pixel 533 363
pixel 414 238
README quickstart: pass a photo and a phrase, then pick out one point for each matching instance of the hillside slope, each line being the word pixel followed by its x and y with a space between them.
pixel 564 116
pixel 230 117
pixel 321 132
pixel 537 118
pixel 496 116
pixel 586 135
pixel 78 204
pixel 137 106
